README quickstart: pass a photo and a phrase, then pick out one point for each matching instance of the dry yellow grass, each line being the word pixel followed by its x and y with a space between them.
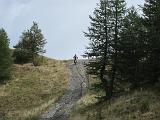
pixel 138 105
pixel 32 89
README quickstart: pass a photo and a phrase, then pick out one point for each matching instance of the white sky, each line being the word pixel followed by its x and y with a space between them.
pixel 62 22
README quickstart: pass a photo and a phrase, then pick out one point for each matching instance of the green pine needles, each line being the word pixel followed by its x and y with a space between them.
pixel 5 56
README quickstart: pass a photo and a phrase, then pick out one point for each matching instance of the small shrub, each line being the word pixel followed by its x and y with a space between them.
pixel 21 56
pixel 38 60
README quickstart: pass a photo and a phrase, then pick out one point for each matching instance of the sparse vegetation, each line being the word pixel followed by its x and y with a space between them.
pixel 32 89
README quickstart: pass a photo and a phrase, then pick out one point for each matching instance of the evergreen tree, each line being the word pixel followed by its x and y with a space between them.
pixel 118 11
pixel 22 52
pixel 5 56
pixel 36 40
pixel 31 44
pixel 151 12
pixel 99 36
pixel 132 49
pixel 104 39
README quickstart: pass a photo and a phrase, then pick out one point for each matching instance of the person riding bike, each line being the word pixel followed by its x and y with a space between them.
pixel 75 59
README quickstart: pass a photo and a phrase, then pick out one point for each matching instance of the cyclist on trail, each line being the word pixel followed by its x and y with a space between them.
pixel 75 59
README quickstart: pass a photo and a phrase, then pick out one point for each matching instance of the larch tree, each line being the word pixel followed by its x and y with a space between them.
pixel 104 39
pixel 99 36
pixel 118 11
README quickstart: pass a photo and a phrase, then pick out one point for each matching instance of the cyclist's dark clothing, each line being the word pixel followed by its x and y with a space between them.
pixel 75 59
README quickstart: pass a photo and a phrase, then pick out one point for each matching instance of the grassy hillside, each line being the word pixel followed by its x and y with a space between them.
pixel 32 89
pixel 137 105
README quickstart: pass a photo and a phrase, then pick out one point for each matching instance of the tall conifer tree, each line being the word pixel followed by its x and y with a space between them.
pixel 132 48
pixel 118 10
pixel 5 56
pixel 151 12
pixel 99 36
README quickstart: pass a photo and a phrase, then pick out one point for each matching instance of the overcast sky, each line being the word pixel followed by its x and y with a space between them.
pixel 62 22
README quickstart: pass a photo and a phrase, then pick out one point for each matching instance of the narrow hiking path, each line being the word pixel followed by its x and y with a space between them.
pixel 62 109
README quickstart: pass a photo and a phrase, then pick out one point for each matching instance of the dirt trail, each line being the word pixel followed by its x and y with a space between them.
pixel 62 109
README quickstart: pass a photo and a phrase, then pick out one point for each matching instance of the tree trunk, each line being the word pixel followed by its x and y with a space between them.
pixel 111 86
pixel 104 59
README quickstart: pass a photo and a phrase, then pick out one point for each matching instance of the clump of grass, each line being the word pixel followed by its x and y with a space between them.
pixel 33 89
pixel 38 60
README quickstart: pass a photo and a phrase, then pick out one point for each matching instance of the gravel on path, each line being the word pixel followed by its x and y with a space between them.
pixel 76 89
